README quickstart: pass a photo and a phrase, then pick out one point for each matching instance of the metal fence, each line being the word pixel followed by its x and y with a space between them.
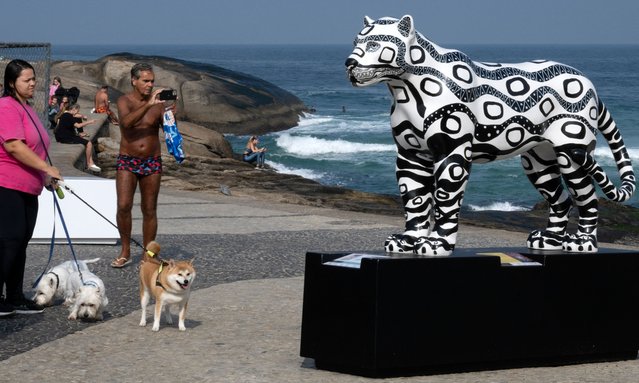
pixel 39 56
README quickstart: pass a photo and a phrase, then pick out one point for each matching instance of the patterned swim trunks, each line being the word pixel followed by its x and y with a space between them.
pixel 139 166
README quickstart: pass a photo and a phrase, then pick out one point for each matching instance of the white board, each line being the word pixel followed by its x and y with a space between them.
pixel 84 224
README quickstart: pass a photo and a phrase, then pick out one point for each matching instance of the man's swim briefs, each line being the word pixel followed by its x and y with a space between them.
pixel 139 166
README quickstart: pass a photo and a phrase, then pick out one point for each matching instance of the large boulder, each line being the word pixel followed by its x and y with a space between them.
pixel 208 95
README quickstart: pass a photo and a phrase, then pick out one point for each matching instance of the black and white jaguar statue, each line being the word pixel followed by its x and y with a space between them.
pixel 450 112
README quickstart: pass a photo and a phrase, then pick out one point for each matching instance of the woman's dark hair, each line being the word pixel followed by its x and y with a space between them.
pixel 11 74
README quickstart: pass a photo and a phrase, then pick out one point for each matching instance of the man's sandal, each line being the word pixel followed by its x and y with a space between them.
pixel 121 262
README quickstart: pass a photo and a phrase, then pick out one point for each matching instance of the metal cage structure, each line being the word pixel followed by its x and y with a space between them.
pixel 39 56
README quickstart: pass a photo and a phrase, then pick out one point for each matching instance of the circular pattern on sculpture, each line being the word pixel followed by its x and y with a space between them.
pixel 546 107
pixel 468 153
pixel 493 110
pixel 462 73
pixel 563 160
pixel 431 87
pixel 525 163
pixel 574 129
pixel 594 113
pixel 442 195
pixel 456 172
pixel 515 136
pixel 417 54
pixel 517 86
pixel 451 124
pixel 387 56
pixel 412 140
pixel 573 87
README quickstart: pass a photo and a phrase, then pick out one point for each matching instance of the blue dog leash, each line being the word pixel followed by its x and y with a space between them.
pixel 56 207
pixel 51 246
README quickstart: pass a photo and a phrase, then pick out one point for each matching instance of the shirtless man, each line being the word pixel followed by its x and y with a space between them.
pixel 139 160
pixel 102 104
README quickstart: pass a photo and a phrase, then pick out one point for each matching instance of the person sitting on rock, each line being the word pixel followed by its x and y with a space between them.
pixel 65 133
pixel 253 154
pixel 54 109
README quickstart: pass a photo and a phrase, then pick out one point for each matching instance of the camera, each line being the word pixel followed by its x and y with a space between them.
pixel 168 94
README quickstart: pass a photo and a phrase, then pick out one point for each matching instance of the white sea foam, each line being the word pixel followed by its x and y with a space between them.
pixel 306 173
pixel 327 124
pixel 313 120
pixel 499 206
pixel 604 155
pixel 309 146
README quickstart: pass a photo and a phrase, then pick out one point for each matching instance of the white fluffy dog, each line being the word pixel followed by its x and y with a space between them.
pixel 87 296
pixel 53 284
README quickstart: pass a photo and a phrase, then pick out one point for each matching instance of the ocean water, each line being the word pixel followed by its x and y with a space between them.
pixel 347 141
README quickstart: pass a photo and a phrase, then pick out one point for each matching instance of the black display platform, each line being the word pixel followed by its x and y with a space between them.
pixel 408 315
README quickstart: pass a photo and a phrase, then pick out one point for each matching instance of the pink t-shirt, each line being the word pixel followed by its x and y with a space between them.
pixel 16 124
pixel 52 89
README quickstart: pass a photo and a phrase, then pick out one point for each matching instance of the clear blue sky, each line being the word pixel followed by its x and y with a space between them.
pixel 316 22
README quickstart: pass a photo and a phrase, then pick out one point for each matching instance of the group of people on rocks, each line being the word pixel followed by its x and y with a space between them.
pixel 68 123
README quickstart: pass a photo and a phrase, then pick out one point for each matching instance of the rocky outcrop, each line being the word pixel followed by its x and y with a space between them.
pixel 208 95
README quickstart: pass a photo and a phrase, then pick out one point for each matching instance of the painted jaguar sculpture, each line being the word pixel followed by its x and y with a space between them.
pixel 449 112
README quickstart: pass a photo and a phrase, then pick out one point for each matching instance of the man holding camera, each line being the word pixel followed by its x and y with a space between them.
pixel 139 160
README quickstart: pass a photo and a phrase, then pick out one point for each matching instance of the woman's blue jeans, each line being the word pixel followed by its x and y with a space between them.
pixel 255 157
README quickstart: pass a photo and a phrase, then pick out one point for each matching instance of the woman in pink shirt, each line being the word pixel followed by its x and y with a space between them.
pixel 23 174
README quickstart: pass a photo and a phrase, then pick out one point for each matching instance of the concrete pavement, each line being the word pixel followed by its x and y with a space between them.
pixel 244 330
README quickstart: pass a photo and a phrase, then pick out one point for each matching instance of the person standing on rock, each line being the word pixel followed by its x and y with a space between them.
pixel 103 105
pixel 139 160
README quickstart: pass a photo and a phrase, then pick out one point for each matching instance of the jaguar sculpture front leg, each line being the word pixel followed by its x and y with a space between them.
pixel 432 195
pixel 416 185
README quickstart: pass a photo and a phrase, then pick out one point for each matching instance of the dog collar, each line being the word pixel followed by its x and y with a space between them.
pixel 157 279
pixel 92 283
pixel 57 279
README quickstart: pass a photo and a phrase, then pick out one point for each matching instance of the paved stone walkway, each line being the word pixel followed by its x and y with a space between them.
pixel 244 317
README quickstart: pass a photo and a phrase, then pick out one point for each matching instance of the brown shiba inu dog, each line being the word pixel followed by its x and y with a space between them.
pixel 169 282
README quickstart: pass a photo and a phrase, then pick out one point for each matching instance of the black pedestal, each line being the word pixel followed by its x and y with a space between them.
pixel 406 315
